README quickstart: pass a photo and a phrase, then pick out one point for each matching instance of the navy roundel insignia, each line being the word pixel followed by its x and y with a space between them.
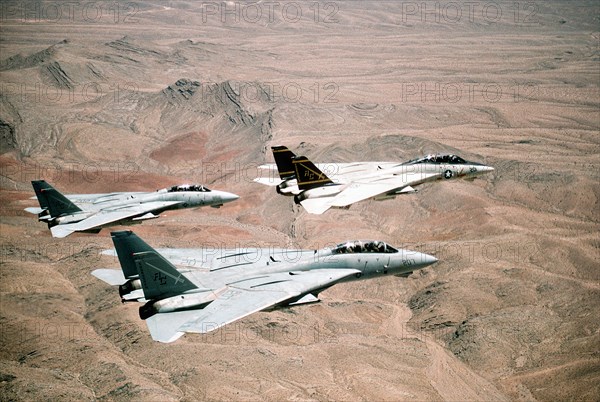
pixel 448 174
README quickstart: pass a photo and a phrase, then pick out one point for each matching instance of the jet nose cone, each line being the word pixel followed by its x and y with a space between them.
pixel 428 259
pixel 228 197
pixel 478 170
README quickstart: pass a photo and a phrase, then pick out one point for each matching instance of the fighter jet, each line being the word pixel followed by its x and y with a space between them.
pixel 89 213
pixel 219 288
pixel 286 183
pixel 317 192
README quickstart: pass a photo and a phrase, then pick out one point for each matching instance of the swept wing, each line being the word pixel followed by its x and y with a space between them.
pixel 107 217
pixel 238 300
pixel 361 190
pixel 244 298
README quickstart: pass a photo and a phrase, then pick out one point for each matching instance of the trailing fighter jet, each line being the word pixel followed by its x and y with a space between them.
pixel 219 288
pixel 317 192
pixel 286 183
pixel 89 213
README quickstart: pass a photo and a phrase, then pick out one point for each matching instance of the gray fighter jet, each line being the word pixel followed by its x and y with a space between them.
pixel 89 213
pixel 209 289
pixel 354 182
pixel 282 174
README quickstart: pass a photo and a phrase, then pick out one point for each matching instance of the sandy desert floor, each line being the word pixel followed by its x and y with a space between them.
pixel 104 96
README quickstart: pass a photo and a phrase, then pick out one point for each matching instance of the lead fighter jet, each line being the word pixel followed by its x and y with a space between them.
pixel 89 213
pixel 354 182
pixel 208 290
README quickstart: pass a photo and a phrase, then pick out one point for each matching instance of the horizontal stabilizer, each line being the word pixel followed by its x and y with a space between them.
pixel 164 327
pixel 60 231
pixel 35 211
pixel 316 205
pixel 113 277
pixel 268 166
pixel 136 295
pixel 268 181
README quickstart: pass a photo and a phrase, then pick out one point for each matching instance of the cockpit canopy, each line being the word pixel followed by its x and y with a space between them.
pixel 188 187
pixel 438 159
pixel 363 246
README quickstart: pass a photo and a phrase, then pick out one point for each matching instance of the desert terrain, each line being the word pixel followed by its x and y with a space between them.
pixel 104 96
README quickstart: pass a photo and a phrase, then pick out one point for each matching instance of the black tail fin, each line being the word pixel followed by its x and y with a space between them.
pixel 126 244
pixel 38 187
pixel 50 198
pixel 308 175
pixel 283 158
pixel 159 277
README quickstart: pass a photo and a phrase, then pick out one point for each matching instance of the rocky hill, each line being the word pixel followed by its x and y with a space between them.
pixel 150 95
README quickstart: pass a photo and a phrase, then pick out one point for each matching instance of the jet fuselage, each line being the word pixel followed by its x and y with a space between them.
pixel 371 171
pixel 417 174
pixel 211 270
